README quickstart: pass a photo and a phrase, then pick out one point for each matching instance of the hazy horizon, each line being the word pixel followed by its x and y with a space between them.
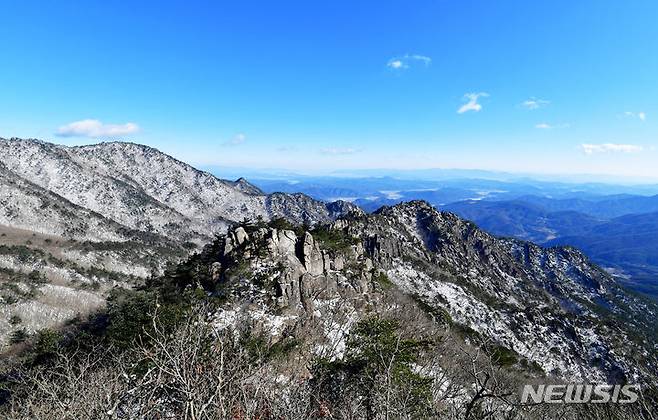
pixel 236 171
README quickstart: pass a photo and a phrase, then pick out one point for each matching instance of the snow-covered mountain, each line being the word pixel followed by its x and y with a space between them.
pixel 25 205
pixel 91 217
pixel 144 189
pixel 550 305
pixel 547 310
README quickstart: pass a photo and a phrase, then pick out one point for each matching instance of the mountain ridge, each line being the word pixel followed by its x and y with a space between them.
pixel 551 307
pixel 88 218
pixel 173 198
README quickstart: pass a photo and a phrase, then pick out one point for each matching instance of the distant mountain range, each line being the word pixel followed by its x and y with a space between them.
pixel 608 206
pixel 628 245
pixel 521 219
pixel 374 191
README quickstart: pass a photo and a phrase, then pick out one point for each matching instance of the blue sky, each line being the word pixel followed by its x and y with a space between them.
pixel 555 86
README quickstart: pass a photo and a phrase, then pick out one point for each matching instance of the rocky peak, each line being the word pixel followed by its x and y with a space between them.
pixel 304 210
pixel 299 268
pixel 246 187
pixel 342 208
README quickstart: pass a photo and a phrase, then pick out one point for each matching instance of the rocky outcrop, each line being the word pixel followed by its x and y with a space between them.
pixel 342 208
pixel 311 257
pixel 302 272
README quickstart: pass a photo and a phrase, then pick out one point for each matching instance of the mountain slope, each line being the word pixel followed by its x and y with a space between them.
pixel 200 197
pixel 407 313
pixel 64 172
pixel 24 205
pixel 549 308
pixel 625 245
pixel 144 189
pixel 549 305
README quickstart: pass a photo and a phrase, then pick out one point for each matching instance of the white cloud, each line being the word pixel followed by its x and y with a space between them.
pixel 590 149
pixel 547 126
pixel 397 64
pixel 407 60
pixel 534 103
pixel 422 58
pixel 472 102
pixel 339 150
pixel 236 140
pixel 95 128
pixel 641 115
